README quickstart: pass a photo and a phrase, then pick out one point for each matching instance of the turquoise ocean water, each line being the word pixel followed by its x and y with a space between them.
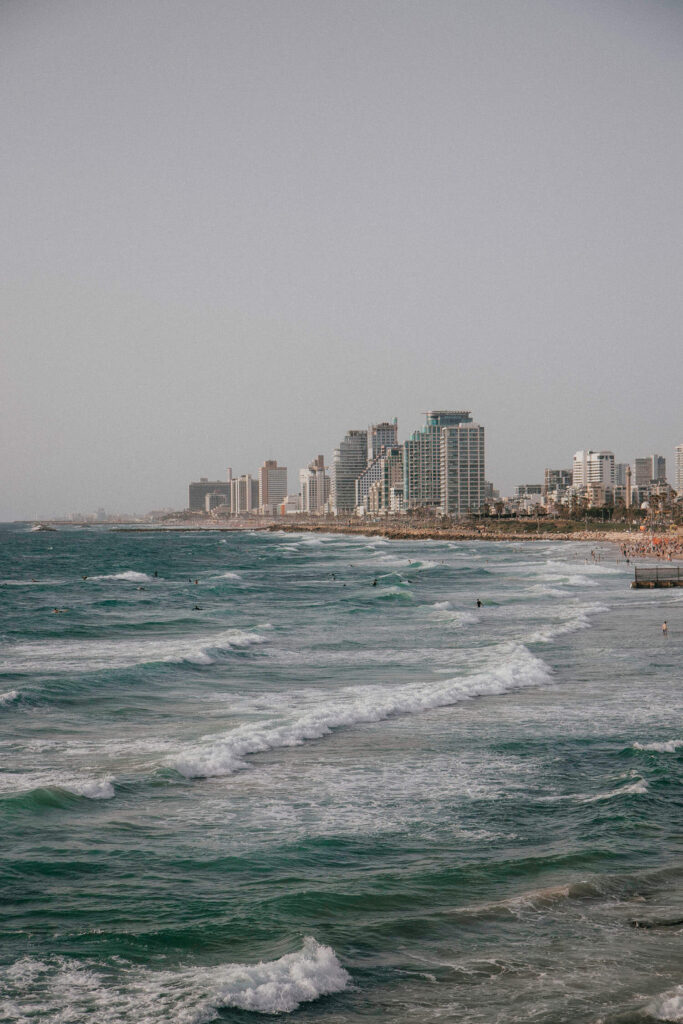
pixel 344 802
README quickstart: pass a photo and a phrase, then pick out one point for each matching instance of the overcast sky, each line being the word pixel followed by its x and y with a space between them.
pixel 234 230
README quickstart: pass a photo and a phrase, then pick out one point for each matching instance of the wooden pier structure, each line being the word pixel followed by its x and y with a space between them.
pixel 658 576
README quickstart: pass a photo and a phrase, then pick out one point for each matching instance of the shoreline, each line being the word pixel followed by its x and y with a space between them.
pixel 625 539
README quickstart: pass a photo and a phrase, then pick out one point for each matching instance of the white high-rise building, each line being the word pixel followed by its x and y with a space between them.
pixel 591 467
pixel 315 487
pixel 678 468
pixel 272 487
pixel 463 476
pixel 350 459
pixel 243 494
pixel 422 459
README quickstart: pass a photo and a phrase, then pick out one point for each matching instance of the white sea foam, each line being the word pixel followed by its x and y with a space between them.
pixel 9 697
pixel 668 1006
pixel 229 576
pixel 129 576
pixel 636 788
pixel 579 618
pixel 88 655
pixel 76 990
pixel 15 783
pixel 225 754
pixel 665 747
pixel 444 612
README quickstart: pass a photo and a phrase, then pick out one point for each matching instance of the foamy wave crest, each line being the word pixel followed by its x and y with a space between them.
pixel 446 613
pixel 225 754
pixel 129 576
pixel 668 1006
pixel 579 619
pixel 9 697
pixel 14 784
pixel 637 788
pixel 229 576
pixel 188 995
pixel 665 747
pixel 93 789
pixel 89 655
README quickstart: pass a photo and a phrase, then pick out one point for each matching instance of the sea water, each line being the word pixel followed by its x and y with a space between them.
pixel 257 773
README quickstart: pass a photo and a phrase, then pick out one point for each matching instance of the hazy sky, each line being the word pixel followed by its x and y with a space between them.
pixel 234 230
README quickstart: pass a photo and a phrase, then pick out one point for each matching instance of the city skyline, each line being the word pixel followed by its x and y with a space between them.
pixel 236 226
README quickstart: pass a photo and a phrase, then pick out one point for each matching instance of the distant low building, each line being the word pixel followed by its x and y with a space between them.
pixel 203 487
pixel 290 506
pixel 557 482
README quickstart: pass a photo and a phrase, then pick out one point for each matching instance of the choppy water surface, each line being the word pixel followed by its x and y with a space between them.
pixel 347 802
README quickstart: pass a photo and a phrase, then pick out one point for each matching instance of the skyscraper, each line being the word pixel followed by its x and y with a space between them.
pixel 381 435
pixel 462 469
pixel 591 467
pixel 243 494
pixel 272 486
pixel 315 486
pixel 651 469
pixel 678 479
pixel 350 459
pixel 422 459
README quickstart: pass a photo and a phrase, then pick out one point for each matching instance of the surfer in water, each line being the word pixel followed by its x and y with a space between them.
pixel 478 603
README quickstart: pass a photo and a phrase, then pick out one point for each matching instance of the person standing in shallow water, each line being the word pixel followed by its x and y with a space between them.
pixel 665 629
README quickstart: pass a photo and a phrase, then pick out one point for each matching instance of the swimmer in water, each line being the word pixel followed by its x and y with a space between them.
pixel 665 629
pixel 478 603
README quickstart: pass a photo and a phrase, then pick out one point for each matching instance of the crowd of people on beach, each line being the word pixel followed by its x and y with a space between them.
pixel 666 548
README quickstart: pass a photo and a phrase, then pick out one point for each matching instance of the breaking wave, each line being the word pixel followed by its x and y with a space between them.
pixel 129 576
pixel 668 1006
pixel 188 995
pixel 49 788
pixel 226 754
pixel 580 619
pixel 92 655
pixel 665 747
pixel 10 697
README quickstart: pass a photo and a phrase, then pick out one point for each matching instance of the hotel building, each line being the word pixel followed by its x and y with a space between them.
pixel 422 459
pixel 463 477
pixel 350 459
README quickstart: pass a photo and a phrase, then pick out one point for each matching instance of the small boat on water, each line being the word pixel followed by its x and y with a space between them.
pixel 42 528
